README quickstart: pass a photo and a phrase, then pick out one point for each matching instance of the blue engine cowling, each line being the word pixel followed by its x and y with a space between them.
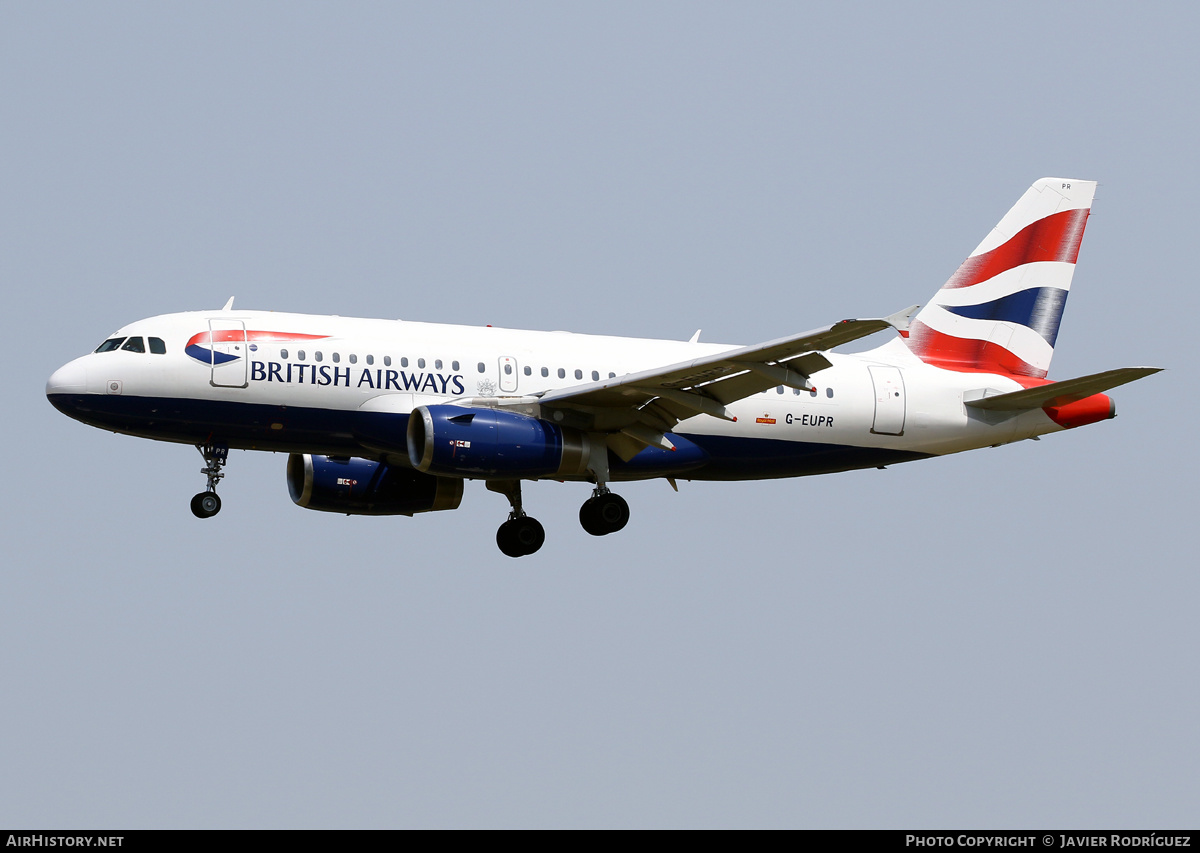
pixel 464 442
pixel 363 487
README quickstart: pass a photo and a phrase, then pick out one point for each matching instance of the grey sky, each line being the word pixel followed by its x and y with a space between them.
pixel 1002 638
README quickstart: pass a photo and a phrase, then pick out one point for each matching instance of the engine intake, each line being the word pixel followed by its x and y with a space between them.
pixel 364 487
pixel 465 442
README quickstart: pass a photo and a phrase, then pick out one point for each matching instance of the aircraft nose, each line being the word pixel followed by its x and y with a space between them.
pixel 71 378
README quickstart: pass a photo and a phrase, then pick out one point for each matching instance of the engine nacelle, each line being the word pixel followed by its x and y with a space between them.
pixel 463 442
pixel 362 487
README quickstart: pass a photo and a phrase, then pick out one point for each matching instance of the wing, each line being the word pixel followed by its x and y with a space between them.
pixel 643 406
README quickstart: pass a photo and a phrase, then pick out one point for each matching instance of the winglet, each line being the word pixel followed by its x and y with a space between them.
pixel 228 305
pixel 695 339
pixel 900 320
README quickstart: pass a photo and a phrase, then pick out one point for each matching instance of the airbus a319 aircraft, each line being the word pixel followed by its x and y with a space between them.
pixel 389 417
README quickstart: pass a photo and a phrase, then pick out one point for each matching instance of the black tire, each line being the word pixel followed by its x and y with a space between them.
pixel 206 505
pixel 613 512
pixel 589 520
pixel 519 537
pixel 506 540
pixel 604 514
pixel 529 534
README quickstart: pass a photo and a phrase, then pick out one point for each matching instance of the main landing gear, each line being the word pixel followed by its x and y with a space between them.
pixel 207 504
pixel 521 534
pixel 604 512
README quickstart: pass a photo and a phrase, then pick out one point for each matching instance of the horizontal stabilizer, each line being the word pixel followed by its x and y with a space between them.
pixel 901 319
pixel 1061 393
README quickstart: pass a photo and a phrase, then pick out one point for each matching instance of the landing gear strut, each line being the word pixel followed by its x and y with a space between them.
pixel 603 512
pixel 520 535
pixel 207 504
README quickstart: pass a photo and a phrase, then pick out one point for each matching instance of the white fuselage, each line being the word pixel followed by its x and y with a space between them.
pixel 301 383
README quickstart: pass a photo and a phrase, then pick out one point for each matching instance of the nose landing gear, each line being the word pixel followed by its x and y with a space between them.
pixel 207 503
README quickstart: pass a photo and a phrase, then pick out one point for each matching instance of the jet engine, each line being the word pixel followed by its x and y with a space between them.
pixel 364 487
pixel 464 442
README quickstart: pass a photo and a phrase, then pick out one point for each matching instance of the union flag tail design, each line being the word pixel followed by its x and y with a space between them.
pixel 999 313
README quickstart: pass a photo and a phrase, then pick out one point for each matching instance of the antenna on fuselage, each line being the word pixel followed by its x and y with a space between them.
pixel 228 305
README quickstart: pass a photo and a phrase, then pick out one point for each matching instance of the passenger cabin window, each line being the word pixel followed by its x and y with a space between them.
pixel 370 359
pixel 283 353
pixel 578 373
pixel 454 366
pixel 353 358
pixel 595 375
pixel 134 345
pixel 157 346
pixel 317 355
pixel 420 363
pixel 562 374
pixel 437 365
pixel 336 358
pixel 829 393
pixel 528 370
pixel 612 376
pixel 403 361
pixel 300 355
pixel 481 367
pixel 109 345
pixel 387 361
pixel 545 371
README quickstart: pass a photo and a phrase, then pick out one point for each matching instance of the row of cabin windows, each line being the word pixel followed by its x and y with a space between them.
pixel 545 371
pixel 134 344
pixel 336 358
pixel 812 393
pixel 438 364
pixel 387 362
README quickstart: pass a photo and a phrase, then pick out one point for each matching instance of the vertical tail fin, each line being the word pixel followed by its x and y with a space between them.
pixel 1000 311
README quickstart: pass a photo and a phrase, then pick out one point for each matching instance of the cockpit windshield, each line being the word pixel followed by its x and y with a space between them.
pixel 109 345
pixel 134 344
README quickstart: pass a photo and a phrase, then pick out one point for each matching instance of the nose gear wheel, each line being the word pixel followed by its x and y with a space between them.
pixel 207 503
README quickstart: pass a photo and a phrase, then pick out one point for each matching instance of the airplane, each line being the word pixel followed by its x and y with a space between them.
pixel 390 417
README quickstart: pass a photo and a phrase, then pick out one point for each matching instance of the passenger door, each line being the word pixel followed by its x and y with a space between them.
pixel 230 365
pixel 889 400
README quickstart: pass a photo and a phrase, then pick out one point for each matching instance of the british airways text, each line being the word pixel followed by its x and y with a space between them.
pixel 381 379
